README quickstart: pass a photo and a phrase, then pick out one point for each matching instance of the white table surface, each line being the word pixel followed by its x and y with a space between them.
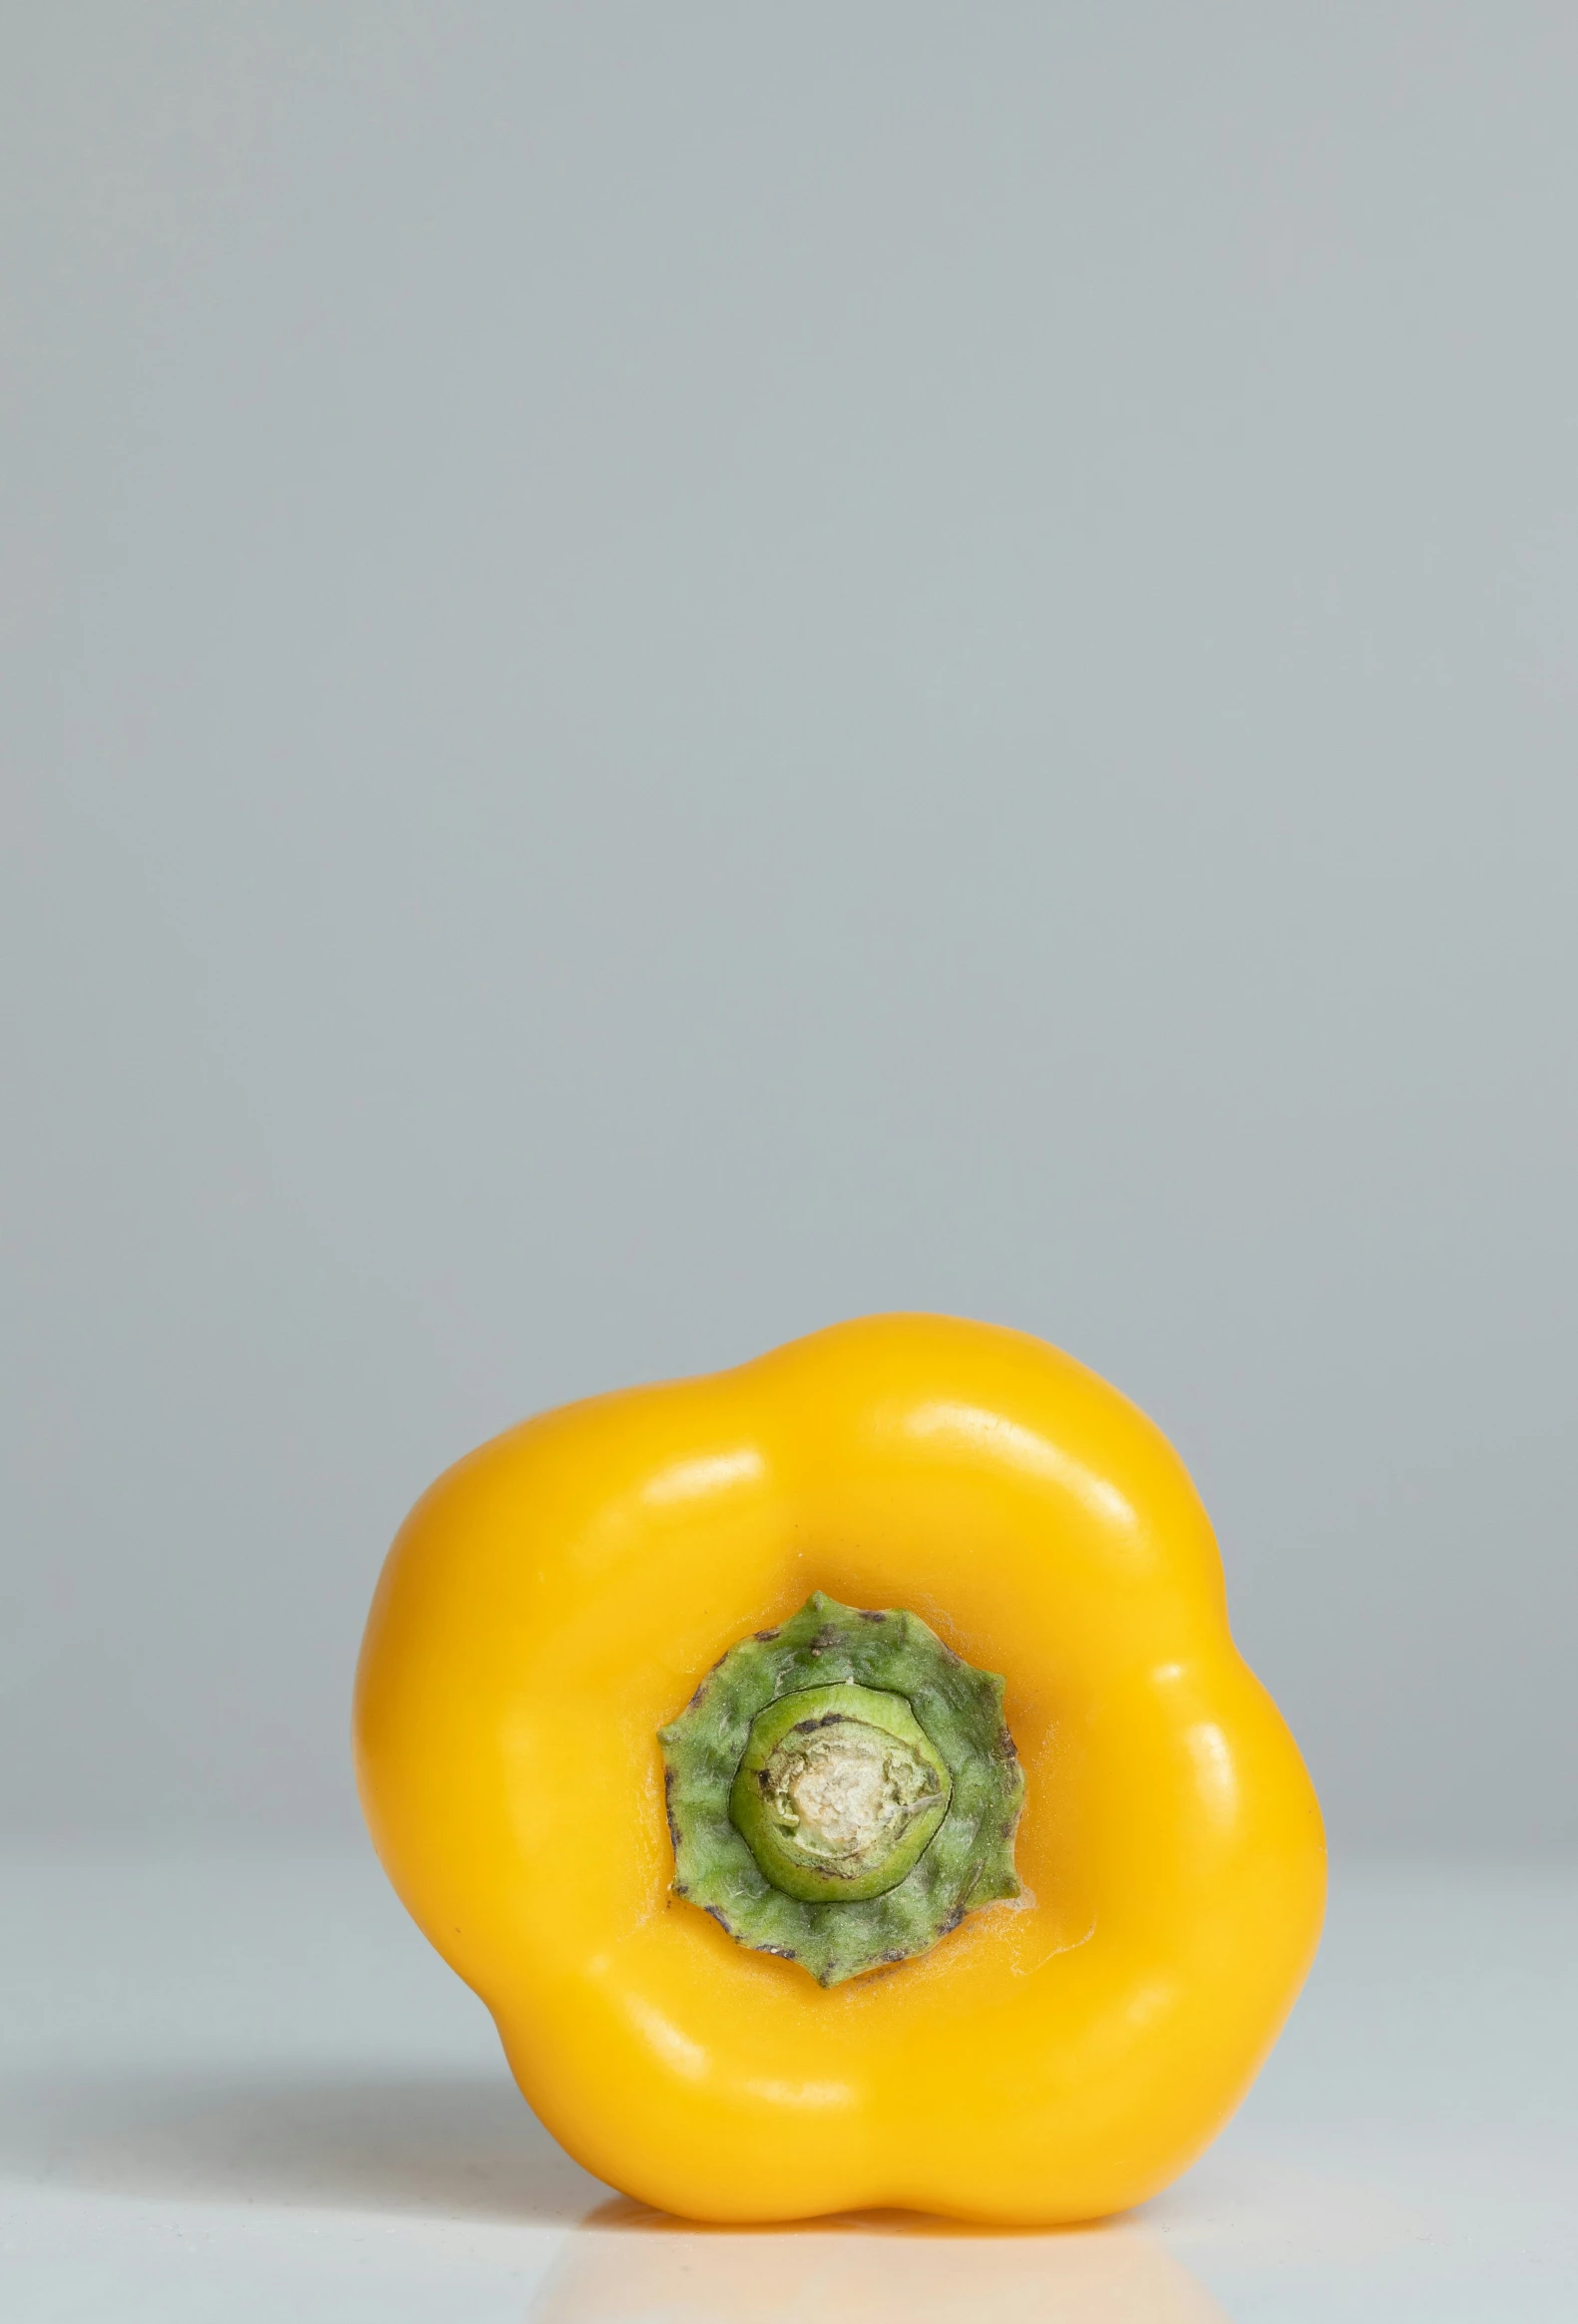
pixel 239 2087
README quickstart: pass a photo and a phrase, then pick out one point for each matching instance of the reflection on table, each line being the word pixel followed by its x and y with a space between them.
pixel 627 2265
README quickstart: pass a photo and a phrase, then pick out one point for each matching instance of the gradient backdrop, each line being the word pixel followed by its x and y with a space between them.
pixel 674 671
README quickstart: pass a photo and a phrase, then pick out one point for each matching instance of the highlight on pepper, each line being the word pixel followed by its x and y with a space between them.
pixel 837 1779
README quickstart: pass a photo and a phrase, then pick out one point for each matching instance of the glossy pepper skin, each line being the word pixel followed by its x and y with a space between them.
pixel 555 1599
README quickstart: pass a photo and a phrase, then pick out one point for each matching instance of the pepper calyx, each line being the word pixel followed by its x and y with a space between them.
pixel 841 1790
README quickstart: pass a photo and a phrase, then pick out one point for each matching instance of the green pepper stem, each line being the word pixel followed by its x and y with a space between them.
pixel 841 1790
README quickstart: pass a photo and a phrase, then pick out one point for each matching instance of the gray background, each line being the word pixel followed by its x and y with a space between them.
pixel 675 671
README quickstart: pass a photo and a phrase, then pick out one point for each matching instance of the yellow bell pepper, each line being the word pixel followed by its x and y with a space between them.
pixel 844 1969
